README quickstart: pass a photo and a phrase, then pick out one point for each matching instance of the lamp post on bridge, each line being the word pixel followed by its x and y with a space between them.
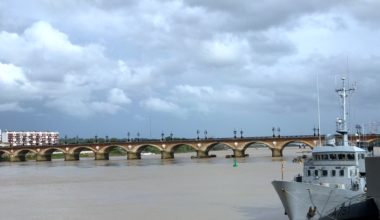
pixel 106 138
pixel 273 130
pixel 241 133
pixel 205 134
pixel 197 134
pixel 314 131
pixel 129 135
pixel 162 136
pixel 171 136
pixel 278 131
pixel 65 139
pixel 235 133
pixel 77 139
pixel 96 138
pixel 138 136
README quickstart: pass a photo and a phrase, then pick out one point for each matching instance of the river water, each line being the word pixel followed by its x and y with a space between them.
pixel 150 188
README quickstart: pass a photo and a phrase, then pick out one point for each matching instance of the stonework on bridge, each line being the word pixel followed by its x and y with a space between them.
pixel 167 147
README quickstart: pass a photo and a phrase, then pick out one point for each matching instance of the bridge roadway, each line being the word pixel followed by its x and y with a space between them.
pixel 166 147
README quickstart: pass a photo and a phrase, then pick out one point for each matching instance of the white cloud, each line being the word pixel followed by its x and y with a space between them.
pixel 225 50
pixel 117 96
pixel 160 105
pixel 12 107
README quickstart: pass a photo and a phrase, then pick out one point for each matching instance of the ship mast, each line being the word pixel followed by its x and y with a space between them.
pixel 341 123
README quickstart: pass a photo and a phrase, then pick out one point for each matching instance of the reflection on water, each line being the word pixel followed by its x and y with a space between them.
pixel 151 188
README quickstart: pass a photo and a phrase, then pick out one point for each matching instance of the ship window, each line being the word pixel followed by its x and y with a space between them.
pixel 361 156
pixel 351 156
pixel 332 156
pixel 324 172
pixel 318 156
pixel 315 172
pixel 341 172
pixel 333 172
pixel 325 157
pixel 342 156
pixel 308 173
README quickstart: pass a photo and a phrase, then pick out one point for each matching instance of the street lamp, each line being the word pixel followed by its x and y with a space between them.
pixel 197 134
pixel 278 131
pixel 96 138
pixel 162 136
pixel 171 136
pixel 129 135
pixel 106 138
pixel 205 134
pixel 77 139
pixel 273 130
pixel 314 130
pixel 234 133
pixel 241 133
pixel 65 139
pixel 138 136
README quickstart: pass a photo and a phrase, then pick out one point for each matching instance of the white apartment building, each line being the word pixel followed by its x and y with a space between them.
pixel 29 138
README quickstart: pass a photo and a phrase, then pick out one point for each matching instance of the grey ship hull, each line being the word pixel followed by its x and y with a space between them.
pixel 299 200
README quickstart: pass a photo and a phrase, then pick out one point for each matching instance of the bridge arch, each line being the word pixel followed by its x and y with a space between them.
pixel 139 149
pixel 20 154
pixel 248 144
pixel 4 155
pixel 303 147
pixel 174 148
pixel 305 143
pixel 249 148
pixel 109 148
pixel 50 151
pixel 212 145
pixel 375 142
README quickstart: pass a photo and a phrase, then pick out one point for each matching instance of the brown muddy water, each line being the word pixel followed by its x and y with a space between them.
pixel 183 188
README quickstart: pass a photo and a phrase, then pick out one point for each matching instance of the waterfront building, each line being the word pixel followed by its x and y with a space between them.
pixel 29 138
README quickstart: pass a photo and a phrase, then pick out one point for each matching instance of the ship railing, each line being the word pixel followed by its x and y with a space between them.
pixel 343 208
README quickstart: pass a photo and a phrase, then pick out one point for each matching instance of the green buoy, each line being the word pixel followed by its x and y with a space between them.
pixel 235 163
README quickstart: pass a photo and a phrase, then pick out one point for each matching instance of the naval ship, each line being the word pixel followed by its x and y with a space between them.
pixel 333 184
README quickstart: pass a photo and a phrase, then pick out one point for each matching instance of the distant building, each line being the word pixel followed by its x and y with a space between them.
pixel 29 138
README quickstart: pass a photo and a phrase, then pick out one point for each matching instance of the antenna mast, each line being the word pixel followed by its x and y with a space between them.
pixel 341 123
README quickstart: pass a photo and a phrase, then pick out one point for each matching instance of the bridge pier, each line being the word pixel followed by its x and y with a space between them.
pixel 167 155
pixel 102 156
pixel 202 154
pixel 71 157
pixel 43 157
pixel 276 152
pixel 17 158
pixel 133 155
pixel 239 153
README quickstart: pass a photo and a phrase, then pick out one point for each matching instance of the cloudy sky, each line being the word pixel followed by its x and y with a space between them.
pixel 105 67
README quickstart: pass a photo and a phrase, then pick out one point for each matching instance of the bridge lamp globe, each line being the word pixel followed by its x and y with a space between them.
pixel 274 142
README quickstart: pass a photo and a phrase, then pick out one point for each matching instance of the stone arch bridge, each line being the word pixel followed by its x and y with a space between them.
pixel 166 147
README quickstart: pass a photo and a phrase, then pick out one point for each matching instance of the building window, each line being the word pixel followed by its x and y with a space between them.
pixel 333 172
pixel 308 173
pixel 342 156
pixel 315 172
